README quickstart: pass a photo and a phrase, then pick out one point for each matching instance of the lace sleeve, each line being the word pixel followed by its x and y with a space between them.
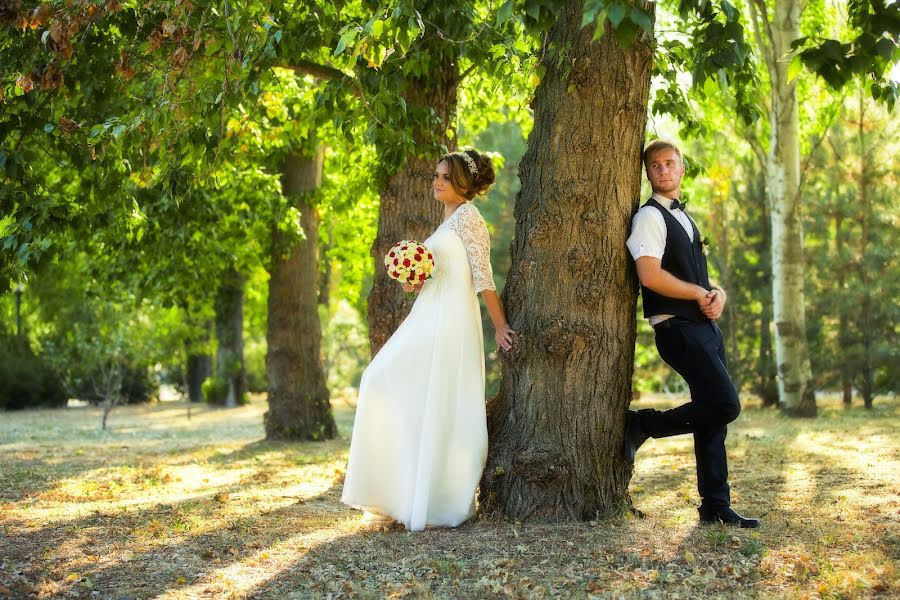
pixel 470 226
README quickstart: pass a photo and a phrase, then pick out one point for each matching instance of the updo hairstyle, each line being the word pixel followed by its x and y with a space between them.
pixel 467 184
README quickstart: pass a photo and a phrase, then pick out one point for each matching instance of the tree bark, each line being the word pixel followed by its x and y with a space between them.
pixel 795 385
pixel 325 272
pixel 408 209
pixel 199 367
pixel 229 306
pixel 299 407
pixel 556 426
pixel 843 318
pixel 867 389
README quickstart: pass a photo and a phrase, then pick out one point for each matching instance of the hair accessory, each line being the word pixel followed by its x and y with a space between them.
pixel 469 162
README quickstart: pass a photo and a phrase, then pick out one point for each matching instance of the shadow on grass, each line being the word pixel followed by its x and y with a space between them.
pixel 142 564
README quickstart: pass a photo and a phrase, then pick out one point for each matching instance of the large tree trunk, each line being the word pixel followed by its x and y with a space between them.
pixel 408 210
pixel 795 385
pixel 229 307
pixel 556 427
pixel 299 406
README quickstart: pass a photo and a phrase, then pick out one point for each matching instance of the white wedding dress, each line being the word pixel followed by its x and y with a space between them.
pixel 420 435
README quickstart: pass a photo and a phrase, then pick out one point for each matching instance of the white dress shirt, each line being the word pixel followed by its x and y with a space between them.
pixel 648 235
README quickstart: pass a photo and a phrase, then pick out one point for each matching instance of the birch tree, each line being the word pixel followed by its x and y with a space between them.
pixel 775 34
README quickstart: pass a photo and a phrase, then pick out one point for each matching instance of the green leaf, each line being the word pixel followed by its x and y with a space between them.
pixel 885 48
pixel 348 38
pixel 212 46
pixel 377 28
pixel 505 13
pixel 601 26
pixel 795 67
pixel 615 14
pixel 593 10
pixel 625 33
pixel 641 17
pixel 728 9
pixel 7 224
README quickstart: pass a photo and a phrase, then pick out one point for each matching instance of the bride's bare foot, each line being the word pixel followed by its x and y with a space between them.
pixel 372 521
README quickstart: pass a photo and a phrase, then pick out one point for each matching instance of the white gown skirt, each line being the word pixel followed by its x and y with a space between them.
pixel 420 434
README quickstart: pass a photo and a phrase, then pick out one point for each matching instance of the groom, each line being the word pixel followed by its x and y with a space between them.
pixel 682 308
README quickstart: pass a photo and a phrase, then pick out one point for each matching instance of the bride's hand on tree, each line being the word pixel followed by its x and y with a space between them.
pixel 504 337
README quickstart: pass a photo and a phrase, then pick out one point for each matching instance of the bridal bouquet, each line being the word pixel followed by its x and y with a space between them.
pixel 409 262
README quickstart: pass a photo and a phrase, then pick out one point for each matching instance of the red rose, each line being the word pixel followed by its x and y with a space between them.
pixel 396 262
pixel 429 256
pixel 406 262
pixel 422 277
pixel 418 257
pixel 392 253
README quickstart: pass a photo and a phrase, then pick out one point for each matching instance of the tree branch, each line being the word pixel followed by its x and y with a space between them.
pixel 831 119
pixel 468 71
pixel 305 67
pixel 761 24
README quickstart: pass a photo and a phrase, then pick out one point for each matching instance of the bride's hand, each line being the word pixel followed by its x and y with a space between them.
pixel 504 337
pixel 412 288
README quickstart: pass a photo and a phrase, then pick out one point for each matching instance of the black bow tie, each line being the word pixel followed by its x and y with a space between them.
pixel 676 205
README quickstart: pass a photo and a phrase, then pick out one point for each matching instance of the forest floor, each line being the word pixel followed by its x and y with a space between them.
pixel 162 506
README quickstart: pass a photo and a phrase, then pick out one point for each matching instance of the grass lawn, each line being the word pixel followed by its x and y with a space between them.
pixel 161 506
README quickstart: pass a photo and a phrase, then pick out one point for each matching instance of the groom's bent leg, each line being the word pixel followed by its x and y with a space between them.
pixel 697 352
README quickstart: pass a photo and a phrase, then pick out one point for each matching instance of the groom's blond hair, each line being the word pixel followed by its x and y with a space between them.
pixel 660 144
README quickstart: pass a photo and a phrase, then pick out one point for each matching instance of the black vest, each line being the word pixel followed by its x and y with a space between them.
pixel 683 259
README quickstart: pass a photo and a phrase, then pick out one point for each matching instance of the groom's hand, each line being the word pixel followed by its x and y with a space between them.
pixel 715 303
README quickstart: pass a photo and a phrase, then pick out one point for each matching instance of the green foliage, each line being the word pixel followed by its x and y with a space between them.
pixel 873 48
pixel 215 390
pixel 507 142
pixel 624 19
pixel 102 340
pixel 26 379
pixel 853 269
pixel 255 365
pixel 345 346
pixel 705 44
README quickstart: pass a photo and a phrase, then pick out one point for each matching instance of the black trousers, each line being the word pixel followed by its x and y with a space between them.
pixel 697 352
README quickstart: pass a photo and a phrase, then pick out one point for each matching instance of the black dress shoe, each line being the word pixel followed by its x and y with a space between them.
pixel 728 517
pixel 634 435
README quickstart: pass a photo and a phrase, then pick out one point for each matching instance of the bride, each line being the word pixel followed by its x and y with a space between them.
pixel 420 435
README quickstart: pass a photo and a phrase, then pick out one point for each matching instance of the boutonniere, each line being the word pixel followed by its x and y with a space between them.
pixel 706 245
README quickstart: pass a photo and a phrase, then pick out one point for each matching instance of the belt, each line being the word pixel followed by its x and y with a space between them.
pixel 674 322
